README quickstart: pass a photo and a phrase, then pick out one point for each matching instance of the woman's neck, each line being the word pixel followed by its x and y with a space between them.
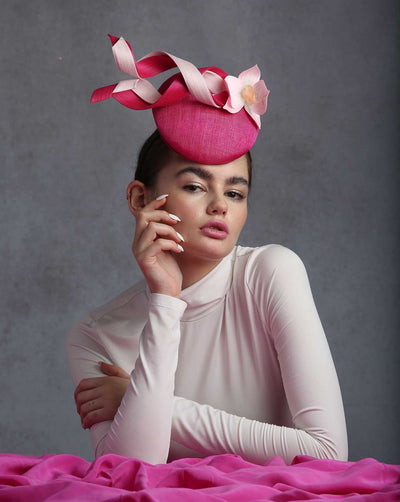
pixel 195 269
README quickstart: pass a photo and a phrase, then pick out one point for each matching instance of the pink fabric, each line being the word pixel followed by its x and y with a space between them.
pixel 216 478
pixel 203 134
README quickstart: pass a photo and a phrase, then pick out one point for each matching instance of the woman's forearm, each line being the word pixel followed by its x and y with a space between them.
pixel 142 426
pixel 210 431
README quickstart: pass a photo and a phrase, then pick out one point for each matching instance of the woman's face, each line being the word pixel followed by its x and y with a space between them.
pixel 211 201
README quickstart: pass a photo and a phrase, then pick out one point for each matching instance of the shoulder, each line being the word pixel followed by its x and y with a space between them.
pixel 269 272
pixel 267 261
pixel 275 278
pixel 134 296
pixel 130 304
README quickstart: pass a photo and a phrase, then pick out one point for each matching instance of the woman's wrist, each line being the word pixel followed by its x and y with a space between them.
pixel 165 291
pixel 160 300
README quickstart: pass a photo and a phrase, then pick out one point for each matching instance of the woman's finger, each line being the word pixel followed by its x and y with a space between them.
pixel 143 218
pixel 106 412
pixel 89 406
pixel 156 248
pixel 156 203
pixel 113 370
pixel 93 417
pixel 154 231
pixel 153 212
pixel 85 396
pixel 87 384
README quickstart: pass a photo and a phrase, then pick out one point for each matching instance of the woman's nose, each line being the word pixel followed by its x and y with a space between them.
pixel 217 205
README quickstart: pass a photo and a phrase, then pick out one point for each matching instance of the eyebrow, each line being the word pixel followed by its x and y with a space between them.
pixel 206 175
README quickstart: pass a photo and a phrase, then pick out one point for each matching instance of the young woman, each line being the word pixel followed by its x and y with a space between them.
pixel 220 348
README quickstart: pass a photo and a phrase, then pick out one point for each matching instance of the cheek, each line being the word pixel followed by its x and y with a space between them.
pixel 241 218
pixel 180 207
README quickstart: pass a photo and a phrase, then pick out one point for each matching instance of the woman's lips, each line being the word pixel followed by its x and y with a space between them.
pixel 215 229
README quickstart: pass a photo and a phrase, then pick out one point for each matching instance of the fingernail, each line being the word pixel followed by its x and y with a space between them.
pixel 162 196
pixel 180 248
pixel 180 236
pixel 176 218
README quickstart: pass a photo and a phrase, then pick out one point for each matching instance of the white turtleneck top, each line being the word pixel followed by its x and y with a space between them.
pixel 239 364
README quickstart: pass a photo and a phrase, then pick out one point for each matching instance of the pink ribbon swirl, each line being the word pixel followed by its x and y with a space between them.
pixel 210 86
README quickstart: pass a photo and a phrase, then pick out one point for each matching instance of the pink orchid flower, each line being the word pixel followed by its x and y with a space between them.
pixel 247 91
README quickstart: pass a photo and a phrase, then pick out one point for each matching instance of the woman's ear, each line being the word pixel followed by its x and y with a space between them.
pixel 137 195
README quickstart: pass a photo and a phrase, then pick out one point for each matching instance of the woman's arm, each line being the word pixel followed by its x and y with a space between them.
pixel 308 374
pixel 279 285
pixel 141 427
pixel 98 399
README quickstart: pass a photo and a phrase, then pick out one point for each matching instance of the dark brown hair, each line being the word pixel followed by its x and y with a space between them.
pixel 155 154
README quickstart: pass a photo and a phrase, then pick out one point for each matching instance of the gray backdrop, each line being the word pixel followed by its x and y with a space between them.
pixel 326 173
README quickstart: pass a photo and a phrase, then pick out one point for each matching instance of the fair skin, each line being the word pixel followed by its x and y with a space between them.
pixel 200 196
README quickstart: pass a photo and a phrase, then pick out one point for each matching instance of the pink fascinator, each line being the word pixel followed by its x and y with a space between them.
pixel 203 114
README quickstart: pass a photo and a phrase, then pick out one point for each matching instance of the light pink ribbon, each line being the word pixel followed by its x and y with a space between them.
pixel 196 84
pixel 246 91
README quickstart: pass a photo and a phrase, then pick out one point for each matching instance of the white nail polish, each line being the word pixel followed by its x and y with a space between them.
pixel 162 196
pixel 176 218
pixel 180 247
pixel 180 236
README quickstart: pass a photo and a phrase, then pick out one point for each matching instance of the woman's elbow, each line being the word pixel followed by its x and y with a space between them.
pixel 328 448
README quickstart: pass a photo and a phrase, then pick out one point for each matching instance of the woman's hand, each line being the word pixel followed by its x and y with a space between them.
pixel 153 246
pixel 98 399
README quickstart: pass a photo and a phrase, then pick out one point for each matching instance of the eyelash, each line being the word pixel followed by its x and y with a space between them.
pixel 191 186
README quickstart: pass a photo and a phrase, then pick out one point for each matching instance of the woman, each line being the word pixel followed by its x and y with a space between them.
pixel 220 348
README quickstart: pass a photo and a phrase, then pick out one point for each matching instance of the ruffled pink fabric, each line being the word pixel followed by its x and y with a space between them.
pixel 216 478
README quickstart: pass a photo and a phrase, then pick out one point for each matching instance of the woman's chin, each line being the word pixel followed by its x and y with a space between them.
pixel 215 250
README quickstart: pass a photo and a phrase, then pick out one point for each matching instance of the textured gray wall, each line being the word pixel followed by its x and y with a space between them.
pixel 325 185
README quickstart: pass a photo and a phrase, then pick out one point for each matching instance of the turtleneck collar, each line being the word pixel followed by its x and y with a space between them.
pixel 207 293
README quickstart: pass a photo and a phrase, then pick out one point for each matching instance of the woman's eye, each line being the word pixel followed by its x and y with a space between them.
pixel 235 195
pixel 231 194
pixel 192 188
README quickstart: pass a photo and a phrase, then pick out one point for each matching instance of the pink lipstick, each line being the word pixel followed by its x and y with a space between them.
pixel 215 229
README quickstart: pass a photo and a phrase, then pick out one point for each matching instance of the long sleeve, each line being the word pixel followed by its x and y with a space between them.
pixel 248 362
pixel 142 426
pixel 279 286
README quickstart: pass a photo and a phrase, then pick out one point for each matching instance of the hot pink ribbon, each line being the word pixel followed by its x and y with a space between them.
pixel 210 87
